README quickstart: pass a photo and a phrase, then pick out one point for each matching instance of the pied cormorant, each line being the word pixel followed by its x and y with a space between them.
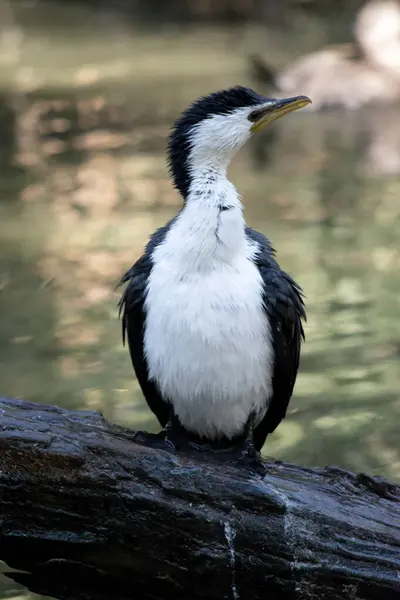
pixel 214 325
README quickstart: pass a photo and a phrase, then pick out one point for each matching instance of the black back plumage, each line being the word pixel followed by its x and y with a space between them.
pixel 283 304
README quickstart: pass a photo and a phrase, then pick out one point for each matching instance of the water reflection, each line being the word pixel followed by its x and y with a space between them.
pixel 84 183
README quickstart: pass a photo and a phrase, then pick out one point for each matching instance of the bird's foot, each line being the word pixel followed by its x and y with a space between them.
pixel 176 438
pixel 181 440
pixel 152 440
pixel 239 452
pixel 248 457
pixel 243 454
pixel 199 447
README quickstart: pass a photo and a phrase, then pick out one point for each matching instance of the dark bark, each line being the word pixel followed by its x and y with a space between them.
pixel 89 513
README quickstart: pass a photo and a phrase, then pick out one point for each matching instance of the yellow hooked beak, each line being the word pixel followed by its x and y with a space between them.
pixel 275 109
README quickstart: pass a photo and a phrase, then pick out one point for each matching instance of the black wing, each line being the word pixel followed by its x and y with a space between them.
pixel 283 303
pixel 131 306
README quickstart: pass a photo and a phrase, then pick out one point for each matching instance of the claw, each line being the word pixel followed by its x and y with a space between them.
pixel 249 458
pixel 170 445
pixel 200 447
pixel 238 453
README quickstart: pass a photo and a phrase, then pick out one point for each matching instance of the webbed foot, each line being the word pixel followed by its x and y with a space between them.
pixel 202 447
pixel 242 453
pixel 249 458
pixel 175 435
pixel 152 440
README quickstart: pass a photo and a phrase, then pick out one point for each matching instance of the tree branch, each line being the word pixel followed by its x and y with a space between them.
pixel 88 512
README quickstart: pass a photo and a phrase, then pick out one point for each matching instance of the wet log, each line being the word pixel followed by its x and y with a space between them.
pixel 86 511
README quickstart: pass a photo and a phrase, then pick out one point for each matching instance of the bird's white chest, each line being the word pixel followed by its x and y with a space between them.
pixel 208 343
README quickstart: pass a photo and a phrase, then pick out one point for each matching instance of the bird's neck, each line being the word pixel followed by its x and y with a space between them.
pixel 210 229
pixel 210 188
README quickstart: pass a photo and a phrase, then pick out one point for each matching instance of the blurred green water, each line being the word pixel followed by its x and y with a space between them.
pixel 83 117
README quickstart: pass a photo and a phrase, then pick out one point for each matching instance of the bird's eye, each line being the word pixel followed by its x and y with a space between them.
pixel 256 114
pixel 252 116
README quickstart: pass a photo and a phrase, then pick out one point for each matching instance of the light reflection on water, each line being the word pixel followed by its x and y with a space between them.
pixel 83 185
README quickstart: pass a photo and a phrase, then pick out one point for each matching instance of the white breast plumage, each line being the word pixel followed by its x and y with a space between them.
pixel 207 337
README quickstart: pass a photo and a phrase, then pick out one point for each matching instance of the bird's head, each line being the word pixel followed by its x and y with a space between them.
pixel 208 133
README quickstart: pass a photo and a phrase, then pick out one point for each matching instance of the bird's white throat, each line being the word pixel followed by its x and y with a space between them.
pixel 207 339
pixel 210 227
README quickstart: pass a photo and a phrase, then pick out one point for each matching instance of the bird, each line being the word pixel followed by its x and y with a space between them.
pixel 347 76
pixel 213 324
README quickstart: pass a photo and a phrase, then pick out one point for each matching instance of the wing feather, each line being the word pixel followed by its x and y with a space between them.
pixel 284 306
pixel 133 314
